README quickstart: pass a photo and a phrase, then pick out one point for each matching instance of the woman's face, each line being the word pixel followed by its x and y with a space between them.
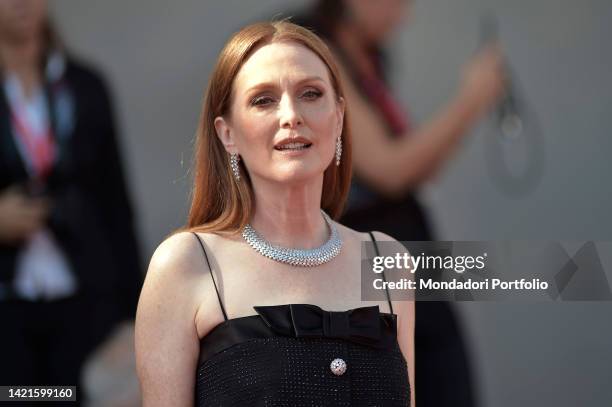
pixel 377 19
pixel 22 19
pixel 285 116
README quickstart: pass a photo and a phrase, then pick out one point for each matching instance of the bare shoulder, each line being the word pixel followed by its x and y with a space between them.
pixel 389 246
pixel 383 237
pixel 353 235
pixel 177 257
pixel 348 234
pixel 166 340
pixel 173 275
pixel 177 273
pixel 180 264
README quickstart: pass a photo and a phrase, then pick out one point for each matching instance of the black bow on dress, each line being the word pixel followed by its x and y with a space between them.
pixel 360 325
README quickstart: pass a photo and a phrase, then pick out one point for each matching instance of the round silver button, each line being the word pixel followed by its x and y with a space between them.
pixel 338 366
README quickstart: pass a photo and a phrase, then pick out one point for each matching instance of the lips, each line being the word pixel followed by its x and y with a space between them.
pixel 293 144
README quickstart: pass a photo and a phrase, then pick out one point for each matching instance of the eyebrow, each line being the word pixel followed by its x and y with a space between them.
pixel 267 85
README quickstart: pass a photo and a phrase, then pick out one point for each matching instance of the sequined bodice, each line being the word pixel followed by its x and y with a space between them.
pixel 299 355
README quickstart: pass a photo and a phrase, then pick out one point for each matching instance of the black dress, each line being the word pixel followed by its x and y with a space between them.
pixel 301 355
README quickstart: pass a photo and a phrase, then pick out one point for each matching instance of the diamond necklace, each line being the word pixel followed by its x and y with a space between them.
pixel 296 257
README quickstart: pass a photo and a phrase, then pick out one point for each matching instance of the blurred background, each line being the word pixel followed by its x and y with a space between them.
pixel 157 56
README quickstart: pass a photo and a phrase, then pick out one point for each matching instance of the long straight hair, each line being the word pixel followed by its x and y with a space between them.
pixel 219 203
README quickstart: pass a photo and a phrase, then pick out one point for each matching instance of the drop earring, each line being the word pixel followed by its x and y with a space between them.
pixel 234 158
pixel 338 150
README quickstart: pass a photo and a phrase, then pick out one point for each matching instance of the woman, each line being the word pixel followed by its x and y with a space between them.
pixel 273 157
pixel 69 266
pixel 393 158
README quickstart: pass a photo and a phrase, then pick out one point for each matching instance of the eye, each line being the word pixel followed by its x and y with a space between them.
pixel 261 101
pixel 312 94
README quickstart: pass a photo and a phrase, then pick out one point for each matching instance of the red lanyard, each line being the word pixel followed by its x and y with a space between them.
pixel 381 97
pixel 40 148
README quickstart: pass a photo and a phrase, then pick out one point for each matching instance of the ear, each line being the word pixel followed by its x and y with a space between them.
pixel 340 108
pixel 224 132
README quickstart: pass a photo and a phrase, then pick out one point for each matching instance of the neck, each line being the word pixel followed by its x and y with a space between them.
pixel 290 216
pixel 23 60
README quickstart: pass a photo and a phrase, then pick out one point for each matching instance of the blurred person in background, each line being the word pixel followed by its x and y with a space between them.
pixel 69 262
pixel 393 158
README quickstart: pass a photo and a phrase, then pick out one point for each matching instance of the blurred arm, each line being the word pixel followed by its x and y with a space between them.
pixel 394 165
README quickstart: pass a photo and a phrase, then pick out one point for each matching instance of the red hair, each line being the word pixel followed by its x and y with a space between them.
pixel 219 204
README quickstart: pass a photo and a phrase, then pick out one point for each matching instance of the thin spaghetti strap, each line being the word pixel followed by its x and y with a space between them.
pixel 212 276
pixel 383 272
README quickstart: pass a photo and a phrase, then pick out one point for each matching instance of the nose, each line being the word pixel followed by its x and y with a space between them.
pixel 289 114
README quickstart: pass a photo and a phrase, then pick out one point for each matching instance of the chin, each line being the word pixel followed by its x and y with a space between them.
pixel 298 172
